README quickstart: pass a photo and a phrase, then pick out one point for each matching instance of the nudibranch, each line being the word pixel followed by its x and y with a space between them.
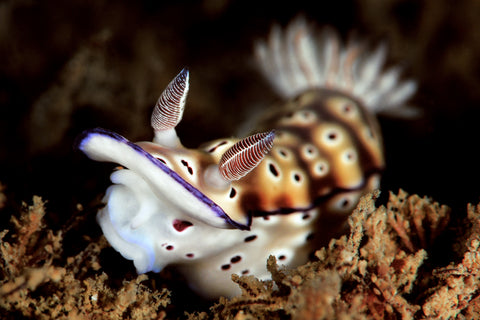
pixel 225 207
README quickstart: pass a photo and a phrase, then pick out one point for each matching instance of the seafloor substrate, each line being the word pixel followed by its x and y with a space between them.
pixel 404 260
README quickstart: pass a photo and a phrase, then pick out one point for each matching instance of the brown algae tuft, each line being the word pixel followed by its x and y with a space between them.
pixel 34 285
pixel 380 270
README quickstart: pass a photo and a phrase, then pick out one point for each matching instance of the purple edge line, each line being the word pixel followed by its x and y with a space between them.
pixel 87 134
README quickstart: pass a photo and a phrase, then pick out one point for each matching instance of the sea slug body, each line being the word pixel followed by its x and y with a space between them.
pixel 227 206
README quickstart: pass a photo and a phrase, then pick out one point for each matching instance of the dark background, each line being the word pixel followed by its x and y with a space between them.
pixel 71 65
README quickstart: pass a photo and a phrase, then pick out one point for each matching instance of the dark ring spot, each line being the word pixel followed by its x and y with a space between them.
pixel 250 238
pixel 225 267
pixel 190 170
pixel 273 169
pixel 180 225
pixel 282 153
pixel 347 108
pixel 235 259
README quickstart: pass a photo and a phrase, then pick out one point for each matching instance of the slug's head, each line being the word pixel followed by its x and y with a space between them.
pixel 163 188
pixel 210 171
